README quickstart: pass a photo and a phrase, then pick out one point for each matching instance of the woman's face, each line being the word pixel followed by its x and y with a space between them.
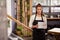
pixel 39 9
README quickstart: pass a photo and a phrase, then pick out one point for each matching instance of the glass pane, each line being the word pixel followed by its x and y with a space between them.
pixel 55 2
pixel 33 10
pixel 42 2
pixel 47 2
pixel 45 9
pixel 55 9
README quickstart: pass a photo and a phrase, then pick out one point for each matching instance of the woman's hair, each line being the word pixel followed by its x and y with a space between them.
pixel 39 5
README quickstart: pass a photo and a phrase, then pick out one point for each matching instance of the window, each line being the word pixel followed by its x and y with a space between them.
pixel 42 2
pixel 45 9
pixel 55 2
pixel 34 10
pixel 49 6
pixel 55 9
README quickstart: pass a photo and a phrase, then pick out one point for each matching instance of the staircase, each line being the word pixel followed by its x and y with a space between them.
pixel 15 37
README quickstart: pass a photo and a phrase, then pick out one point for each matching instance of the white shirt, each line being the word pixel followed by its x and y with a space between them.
pixel 42 25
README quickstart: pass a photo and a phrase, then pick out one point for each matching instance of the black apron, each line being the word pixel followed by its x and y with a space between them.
pixel 38 34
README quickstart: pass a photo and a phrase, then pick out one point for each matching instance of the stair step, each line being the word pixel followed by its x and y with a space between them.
pixel 27 38
pixel 14 37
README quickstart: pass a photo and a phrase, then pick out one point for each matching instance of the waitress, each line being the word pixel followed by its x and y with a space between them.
pixel 38 23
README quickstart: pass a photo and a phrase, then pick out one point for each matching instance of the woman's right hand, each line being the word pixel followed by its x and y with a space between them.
pixel 34 26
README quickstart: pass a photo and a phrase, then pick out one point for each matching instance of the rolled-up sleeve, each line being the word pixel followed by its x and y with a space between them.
pixel 31 21
pixel 45 22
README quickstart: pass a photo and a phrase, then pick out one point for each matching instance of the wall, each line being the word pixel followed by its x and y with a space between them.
pixel 11 11
pixel 3 20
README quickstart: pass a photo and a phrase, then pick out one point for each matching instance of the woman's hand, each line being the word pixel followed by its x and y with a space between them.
pixel 35 26
pixel 44 24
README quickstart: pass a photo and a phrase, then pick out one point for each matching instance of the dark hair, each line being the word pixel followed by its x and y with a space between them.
pixel 39 5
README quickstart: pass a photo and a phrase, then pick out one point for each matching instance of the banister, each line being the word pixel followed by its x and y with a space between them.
pixel 19 23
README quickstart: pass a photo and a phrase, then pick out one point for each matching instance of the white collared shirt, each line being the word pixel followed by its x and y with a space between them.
pixel 42 25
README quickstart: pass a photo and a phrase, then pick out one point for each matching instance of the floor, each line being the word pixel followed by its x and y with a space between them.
pixel 14 37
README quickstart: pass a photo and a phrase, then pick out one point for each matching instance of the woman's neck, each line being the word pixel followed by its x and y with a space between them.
pixel 38 15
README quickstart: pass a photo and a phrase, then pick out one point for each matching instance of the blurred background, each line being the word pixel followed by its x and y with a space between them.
pixel 22 10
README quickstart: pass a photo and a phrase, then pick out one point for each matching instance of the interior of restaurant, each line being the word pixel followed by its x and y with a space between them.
pixel 51 9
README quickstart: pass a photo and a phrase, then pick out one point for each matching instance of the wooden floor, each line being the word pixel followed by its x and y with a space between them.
pixel 27 38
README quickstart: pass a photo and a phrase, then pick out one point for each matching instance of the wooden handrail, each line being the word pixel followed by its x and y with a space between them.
pixel 19 23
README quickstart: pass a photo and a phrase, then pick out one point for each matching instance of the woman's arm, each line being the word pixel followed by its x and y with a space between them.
pixel 45 22
pixel 31 21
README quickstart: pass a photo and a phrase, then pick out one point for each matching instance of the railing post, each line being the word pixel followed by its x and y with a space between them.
pixel 30 7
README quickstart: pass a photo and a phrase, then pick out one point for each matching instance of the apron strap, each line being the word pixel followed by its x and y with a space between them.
pixel 42 18
pixel 35 18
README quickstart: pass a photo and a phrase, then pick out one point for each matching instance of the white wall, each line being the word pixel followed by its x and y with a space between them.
pixel 11 12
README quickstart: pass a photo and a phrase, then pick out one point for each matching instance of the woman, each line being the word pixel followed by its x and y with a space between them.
pixel 38 23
